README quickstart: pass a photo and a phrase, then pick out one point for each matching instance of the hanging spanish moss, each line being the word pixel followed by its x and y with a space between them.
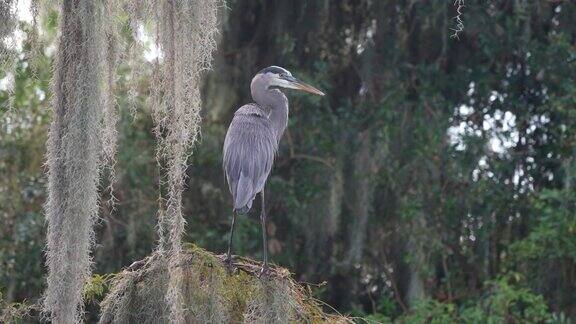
pixel 185 34
pixel 133 55
pixel 8 24
pixel 110 112
pixel 74 151
pixel 35 51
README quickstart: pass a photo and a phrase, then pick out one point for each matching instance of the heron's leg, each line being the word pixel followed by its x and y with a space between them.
pixel 229 254
pixel 264 234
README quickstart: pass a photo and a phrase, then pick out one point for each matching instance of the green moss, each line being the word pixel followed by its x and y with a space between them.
pixel 212 294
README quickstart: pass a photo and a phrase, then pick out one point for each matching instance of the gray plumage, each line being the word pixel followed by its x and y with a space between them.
pixel 249 151
pixel 252 141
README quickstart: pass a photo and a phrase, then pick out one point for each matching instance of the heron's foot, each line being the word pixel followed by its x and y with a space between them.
pixel 229 261
pixel 265 271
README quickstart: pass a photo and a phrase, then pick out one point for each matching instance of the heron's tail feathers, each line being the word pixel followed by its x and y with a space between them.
pixel 242 210
pixel 244 195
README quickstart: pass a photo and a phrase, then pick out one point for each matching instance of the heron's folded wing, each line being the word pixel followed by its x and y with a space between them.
pixel 249 151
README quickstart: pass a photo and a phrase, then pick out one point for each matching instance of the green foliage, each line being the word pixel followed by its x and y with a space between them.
pixel 97 287
pixel 553 236
pixel 384 312
pixel 504 302
pixel 432 311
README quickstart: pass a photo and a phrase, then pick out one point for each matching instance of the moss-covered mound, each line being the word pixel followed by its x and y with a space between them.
pixel 213 295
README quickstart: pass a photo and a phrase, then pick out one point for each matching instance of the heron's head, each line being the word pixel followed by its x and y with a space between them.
pixel 277 77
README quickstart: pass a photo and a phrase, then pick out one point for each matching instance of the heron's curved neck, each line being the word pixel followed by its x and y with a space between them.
pixel 274 101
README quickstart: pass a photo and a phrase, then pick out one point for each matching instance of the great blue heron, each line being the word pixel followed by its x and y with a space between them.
pixel 252 141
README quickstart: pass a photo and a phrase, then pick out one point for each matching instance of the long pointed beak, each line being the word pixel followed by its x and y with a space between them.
pixel 299 85
pixel 308 88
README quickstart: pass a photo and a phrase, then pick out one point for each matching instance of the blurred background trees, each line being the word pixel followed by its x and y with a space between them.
pixel 434 181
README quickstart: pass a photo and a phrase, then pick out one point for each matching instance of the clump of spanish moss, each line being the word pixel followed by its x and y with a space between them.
pixel 8 24
pixel 185 35
pixel 210 293
pixel 110 111
pixel 18 312
pixel 9 29
pixel 74 151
